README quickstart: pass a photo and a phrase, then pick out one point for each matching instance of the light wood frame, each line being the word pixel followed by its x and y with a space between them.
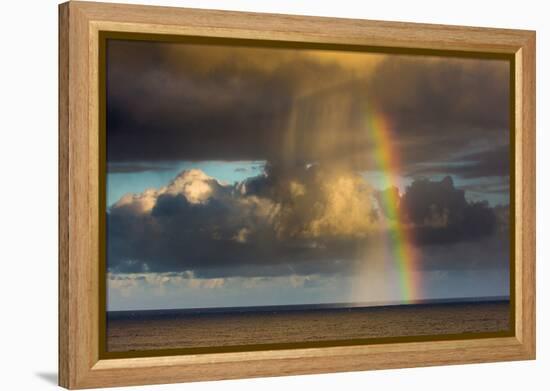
pixel 79 168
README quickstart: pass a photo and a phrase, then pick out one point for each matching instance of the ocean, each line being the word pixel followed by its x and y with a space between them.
pixel 209 327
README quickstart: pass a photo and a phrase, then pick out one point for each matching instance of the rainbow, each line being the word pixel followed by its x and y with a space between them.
pixel 403 253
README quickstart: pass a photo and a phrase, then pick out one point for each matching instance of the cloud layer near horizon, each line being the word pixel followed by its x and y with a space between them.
pixel 302 221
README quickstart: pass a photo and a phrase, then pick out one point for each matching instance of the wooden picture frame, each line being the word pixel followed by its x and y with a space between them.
pixel 80 165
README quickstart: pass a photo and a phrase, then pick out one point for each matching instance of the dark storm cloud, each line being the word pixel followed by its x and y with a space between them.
pixel 169 102
pixel 418 92
pixel 493 162
pixel 445 109
pixel 441 214
pixel 281 223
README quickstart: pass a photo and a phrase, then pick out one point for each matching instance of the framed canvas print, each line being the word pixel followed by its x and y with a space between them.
pixel 251 195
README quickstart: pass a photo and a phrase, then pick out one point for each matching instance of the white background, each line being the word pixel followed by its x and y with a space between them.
pixel 28 195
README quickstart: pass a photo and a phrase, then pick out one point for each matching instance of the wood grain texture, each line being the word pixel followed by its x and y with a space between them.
pixel 63 309
pixel 80 24
pixel 77 257
pixel 526 162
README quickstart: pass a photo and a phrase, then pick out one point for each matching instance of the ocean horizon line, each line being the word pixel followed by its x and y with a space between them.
pixel 318 306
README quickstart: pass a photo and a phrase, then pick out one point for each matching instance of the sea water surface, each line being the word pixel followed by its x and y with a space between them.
pixel 210 327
